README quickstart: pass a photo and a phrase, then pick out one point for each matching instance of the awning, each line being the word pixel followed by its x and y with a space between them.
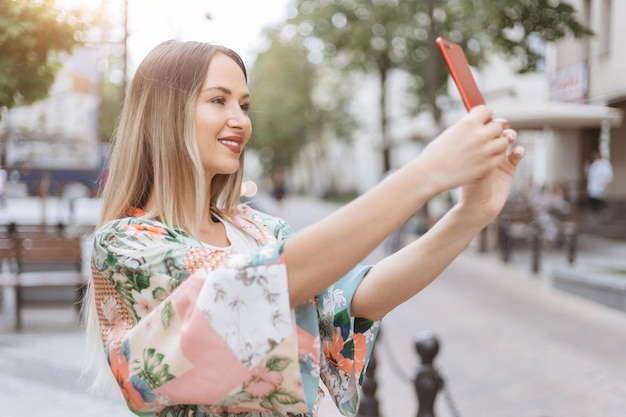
pixel 558 115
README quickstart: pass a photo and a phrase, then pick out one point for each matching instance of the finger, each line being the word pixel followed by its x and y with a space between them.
pixel 496 127
pixel 510 134
pixel 499 145
pixel 502 121
pixel 489 132
pixel 516 155
pixel 482 113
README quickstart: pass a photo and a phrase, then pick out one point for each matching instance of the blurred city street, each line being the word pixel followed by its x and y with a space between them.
pixel 341 95
pixel 511 345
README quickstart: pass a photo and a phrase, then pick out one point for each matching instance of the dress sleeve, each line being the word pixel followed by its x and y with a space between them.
pixel 182 324
pixel 347 341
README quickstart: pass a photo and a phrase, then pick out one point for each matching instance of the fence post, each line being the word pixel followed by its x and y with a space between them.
pixel 571 241
pixel 536 235
pixel 368 406
pixel 427 382
pixel 505 241
pixel 482 240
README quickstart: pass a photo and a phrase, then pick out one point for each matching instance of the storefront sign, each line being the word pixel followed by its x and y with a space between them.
pixel 569 84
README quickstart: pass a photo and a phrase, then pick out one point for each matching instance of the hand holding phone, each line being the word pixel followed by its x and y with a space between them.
pixel 461 73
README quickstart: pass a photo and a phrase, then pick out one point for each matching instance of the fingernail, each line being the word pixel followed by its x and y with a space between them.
pixel 511 135
pixel 501 121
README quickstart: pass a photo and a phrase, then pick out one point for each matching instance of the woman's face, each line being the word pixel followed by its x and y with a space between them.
pixel 222 124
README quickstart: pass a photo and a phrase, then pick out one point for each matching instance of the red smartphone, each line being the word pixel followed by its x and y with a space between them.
pixel 461 73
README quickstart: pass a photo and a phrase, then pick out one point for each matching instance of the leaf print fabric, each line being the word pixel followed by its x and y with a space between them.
pixel 195 331
pixel 347 341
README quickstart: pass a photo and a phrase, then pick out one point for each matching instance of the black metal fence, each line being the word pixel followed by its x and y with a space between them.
pixel 427 380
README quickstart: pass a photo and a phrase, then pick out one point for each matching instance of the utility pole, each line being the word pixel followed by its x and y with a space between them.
pixel 125 55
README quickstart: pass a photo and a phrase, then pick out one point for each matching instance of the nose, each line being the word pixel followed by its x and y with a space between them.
pixel 238 119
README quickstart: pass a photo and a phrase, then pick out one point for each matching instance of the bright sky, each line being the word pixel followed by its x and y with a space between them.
pixel 234 23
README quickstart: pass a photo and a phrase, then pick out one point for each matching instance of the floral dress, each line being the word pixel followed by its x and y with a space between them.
pixel 194 331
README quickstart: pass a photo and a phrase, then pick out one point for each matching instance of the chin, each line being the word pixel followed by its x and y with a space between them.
pixel 227 170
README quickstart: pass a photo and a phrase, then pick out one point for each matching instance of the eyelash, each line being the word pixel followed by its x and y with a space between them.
pixel 221 100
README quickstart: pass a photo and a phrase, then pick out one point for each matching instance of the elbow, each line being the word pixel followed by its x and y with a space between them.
pixel 372 316
pixel 371 302
pixel 367 311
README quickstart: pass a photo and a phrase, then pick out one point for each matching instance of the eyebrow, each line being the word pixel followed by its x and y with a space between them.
pixel 224 90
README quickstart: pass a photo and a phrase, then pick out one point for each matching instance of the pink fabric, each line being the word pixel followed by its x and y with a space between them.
pixel 213 376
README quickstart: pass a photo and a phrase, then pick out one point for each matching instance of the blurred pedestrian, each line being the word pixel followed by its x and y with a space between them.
pixel 279 186
pixel 599 176
pixel 550 206
pixel 209 308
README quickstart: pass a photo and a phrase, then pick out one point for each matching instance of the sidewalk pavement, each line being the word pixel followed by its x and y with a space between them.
pixel 511 345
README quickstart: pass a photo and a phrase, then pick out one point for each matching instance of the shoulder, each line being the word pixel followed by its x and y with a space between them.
pixel 139 244
pixel 133 224
pixel 137 231
pixel 278 227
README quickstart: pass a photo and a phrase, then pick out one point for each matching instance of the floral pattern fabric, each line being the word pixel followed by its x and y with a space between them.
pixel 194 331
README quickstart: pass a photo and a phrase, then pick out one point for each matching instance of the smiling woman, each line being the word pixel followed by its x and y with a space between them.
pixel 208 307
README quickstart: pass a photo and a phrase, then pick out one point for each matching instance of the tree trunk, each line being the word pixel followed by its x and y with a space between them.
pixel 383 72
pixel 433 73
pixel 432 90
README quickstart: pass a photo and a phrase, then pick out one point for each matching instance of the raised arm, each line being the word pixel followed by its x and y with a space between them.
pixel 403 274
pixel 322 253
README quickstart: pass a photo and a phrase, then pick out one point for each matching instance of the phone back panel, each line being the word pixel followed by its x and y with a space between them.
pixel 461 73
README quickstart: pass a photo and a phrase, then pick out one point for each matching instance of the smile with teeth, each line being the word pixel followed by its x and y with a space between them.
pixel 231 144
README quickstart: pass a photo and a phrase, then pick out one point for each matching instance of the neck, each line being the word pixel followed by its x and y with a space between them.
pixel 151 206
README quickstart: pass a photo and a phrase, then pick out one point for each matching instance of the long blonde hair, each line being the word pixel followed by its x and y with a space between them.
pixel 154 151
pixel 154 148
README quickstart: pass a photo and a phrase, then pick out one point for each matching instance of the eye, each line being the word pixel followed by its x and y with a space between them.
pixel 245 107
pixel 218 100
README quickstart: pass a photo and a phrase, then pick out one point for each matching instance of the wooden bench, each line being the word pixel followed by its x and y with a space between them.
pixel 42 257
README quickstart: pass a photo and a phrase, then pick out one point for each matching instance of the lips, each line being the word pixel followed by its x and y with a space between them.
pixel 233 144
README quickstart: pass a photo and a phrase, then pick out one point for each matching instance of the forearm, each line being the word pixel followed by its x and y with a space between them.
pixel 319 255
pixel 400 276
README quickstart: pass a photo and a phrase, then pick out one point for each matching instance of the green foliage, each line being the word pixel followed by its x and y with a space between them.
pixel 369 34
pixel 280 84
pixel 33 36
pixel 511 24
pixel 378 37
pixel 285 114
pixel 111 97
pixel 382 35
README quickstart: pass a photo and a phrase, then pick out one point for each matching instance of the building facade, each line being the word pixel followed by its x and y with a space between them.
pixel 575 104
pixel 591 71
pixel 57 138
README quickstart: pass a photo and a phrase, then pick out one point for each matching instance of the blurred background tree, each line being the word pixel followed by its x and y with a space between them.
pixel 379 36
pixel 110 34
pixel 33 37
pixel 291 109
pixel 282 110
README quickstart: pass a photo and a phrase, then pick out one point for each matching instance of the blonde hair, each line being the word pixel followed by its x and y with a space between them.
pixel 154 151
pixel 154 148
